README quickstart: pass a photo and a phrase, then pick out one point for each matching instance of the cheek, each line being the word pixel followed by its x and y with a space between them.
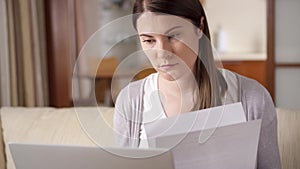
pixel 186 55
pixel 190 61
pixel 191 41
pixel 193 45
pixel 151 55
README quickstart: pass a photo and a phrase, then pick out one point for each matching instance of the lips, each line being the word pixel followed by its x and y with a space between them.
pixel 167 66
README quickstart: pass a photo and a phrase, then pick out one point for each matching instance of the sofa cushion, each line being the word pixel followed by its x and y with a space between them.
pixel 55 126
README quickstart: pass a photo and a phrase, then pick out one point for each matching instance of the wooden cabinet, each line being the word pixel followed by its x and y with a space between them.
pixel 252 69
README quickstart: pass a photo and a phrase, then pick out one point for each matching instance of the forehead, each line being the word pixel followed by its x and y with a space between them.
pixel 156 23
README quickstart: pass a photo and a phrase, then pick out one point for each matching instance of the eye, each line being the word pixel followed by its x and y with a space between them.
pixel 173 36
pixel 148 41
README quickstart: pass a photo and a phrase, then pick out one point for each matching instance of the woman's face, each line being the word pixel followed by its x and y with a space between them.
pixel 170 43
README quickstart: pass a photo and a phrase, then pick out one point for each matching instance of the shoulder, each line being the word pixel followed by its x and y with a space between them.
pixel 129 93
pixel 242 83
pixel 134 90
pixel 244 86
pixel 251 88
pixel 252 91
pixel 255 98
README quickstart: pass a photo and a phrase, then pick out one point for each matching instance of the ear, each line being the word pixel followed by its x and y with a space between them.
pixel 199 33
pixel 202 23
pixel 200 30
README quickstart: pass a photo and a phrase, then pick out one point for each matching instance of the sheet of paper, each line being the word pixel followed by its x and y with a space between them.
pixel 198 120
pixel 215 138
pixel 230 147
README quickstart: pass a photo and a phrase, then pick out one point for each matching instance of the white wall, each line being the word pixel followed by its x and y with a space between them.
pixel 244 22
pixel 287 31
pixel 288 88
pixel 287 45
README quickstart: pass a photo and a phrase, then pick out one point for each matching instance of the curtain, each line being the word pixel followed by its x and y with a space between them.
pixel 23 66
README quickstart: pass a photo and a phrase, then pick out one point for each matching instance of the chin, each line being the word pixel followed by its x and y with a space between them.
pixel 170 76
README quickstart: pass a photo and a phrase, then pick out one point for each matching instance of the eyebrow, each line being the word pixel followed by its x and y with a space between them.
pixel 168 31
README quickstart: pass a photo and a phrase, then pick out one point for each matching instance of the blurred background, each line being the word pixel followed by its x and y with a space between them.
pixel 43 41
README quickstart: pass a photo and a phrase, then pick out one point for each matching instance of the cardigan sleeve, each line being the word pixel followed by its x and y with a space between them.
pixel 258 104
pixel 121 121
pixel 128 115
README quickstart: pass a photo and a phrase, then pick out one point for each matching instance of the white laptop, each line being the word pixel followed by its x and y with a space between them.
pixel 32 156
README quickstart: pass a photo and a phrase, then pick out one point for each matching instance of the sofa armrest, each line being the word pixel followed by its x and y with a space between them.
pixel 288 137
pixel 52 126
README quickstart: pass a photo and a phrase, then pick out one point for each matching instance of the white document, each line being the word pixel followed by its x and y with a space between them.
pixel 198 120
pixel 215 138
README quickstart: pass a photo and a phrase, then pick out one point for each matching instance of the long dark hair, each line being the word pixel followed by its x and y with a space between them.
pixel 211 83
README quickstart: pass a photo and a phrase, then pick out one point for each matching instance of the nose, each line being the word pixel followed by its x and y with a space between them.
pixel 164 49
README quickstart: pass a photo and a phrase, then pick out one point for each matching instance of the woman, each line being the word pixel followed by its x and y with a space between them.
pixel 175 37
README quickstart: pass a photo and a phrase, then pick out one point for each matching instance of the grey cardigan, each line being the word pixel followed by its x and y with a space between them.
pixel 255 99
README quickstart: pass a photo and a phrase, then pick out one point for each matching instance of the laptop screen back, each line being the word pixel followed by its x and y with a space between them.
pixel 30 156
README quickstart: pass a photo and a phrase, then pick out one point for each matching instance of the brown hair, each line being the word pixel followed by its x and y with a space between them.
pixel 211 83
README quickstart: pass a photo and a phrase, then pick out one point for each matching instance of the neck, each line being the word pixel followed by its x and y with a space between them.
pixel 184 84
pixel 180 95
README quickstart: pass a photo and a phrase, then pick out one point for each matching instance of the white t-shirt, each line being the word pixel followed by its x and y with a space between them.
pixel 152 108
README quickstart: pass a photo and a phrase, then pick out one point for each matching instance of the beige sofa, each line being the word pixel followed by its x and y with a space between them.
pixel 61 126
